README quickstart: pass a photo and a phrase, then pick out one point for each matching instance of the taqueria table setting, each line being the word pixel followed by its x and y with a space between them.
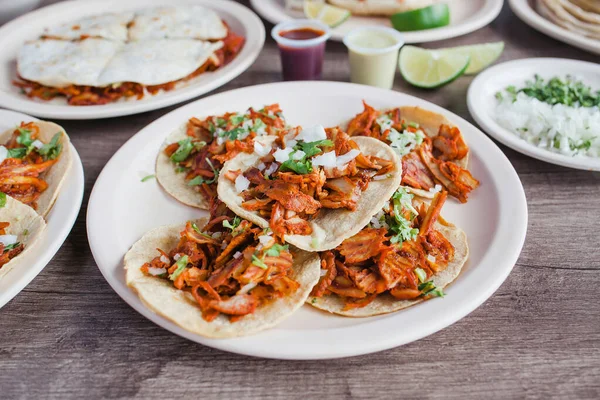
pixel 341 198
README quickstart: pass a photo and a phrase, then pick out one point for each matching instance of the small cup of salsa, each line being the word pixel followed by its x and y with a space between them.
pixel 373 54
pixel 302 48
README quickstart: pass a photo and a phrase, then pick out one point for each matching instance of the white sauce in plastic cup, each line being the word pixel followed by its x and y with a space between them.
pixel 373 54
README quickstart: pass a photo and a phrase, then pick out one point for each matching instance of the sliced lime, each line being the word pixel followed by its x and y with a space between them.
pixel 482 55
pixel 429 69
pixel 434 16
pixel 330 15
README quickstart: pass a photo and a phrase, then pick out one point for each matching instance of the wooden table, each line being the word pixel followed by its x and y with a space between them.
pixel 68 334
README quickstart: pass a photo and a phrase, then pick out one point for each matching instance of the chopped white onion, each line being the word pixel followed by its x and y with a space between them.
pixel 298 155
pixel 326 160
pixel 346 158
pixel 291 143
pixel 164 259
pixel 223 245
pixel 272 168
pixel 216 235
pixel 261 167
pixel 7 240
pixel 323 272
pixel 237 254
pixel 312 134
pixel 156 271
pixel 436 188
pixel 241 183
pixel 37 144
pixel 282 155
pixel 260 149
pixel 430 258
pixel 380 177
pixel 177 257
pixel 265 239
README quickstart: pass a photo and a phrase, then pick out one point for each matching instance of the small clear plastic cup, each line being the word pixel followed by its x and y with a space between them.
pixel 373 55
pixel 302 58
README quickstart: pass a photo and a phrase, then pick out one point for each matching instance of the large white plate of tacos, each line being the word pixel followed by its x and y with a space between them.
pixel 41 188
pixel 98 59
pixel 464 16
pixel 265 221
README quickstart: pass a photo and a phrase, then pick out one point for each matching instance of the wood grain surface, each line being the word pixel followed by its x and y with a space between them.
pixel 68 334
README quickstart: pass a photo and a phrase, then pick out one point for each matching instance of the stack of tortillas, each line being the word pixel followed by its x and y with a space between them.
pixel 579 16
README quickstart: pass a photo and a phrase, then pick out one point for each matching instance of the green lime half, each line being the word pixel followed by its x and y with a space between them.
pixel 482 55
pixel 420 19
pixel 430 69
pixel 329 15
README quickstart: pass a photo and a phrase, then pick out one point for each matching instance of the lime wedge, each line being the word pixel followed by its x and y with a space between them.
pixel 482 55
pixel 429 69
pixel 434 16
pixel 329 15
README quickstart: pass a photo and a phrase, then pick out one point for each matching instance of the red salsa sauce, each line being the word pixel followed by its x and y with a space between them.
pixel 302 63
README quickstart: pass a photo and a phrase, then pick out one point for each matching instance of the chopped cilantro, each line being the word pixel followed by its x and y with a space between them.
pixel 181 169
pixel 429 289
pixel 237 119
pixel 195 227
pixel 26 232
pixel 236 222
pixel 12 246
pixel 258 262
pixel 2 199
pixel 276 249
pixel 298 166
pixel 233 134
pixel 413 125
pixel 567 91
pixel 221 122
pixel 181 264
pixel 183 151
pixel 499 96
pixel 258 125
pixel 313 300
pixel 312 148
pixel 18 152
pixel 585 145
pixel 211 127
pixel 556 141
pixel 148 177
pixel 199 180
pixel 399 226
pixel 51 151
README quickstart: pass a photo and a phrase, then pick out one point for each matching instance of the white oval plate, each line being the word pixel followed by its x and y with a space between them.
pixel 59 221
pixel 465 17
pixel 481 101
pixel 12 36
pixel 527 13
pixel 122 209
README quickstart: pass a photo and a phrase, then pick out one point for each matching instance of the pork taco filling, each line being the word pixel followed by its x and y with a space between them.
pixel 311 170
pixel 230 266
pixel 429 162
pixel 23 161
pixel 10 247
pixel 211 141
pixel 397 253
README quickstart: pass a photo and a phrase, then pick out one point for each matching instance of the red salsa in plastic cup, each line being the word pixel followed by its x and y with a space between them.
pixel 302 48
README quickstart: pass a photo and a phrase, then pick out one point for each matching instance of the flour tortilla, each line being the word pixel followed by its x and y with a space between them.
pixel 580 13
pixel 381 7
pixel 26 224
pixel 555 13
pixel 330 227
pixel 172 182
pixel 386 303
pixel 56 174
pixel 181 308
pixel 592 6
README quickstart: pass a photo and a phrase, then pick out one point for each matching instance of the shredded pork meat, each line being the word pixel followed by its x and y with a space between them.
pixel 227 270
pixel 370 263
pixel 7 253
pixel 429 163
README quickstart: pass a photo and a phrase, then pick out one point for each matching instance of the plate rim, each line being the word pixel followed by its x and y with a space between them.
pixel 488 13
pixel 75 175
pixel 503 135
pixel 513 241
pixel 524 11
pixel 254 44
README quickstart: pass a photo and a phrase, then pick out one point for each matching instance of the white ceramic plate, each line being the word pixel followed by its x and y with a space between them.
pixel 465 17
pixel 481 101
pixel 526 12
pixel 59 221
pixel 28 27
pixel 495 219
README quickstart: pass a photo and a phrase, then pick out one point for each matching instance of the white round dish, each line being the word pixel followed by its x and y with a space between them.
pixel 481 101
pixel 495 220
pixel 465 17
pixel 27 27
pixel 526 12
pixel 59 221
